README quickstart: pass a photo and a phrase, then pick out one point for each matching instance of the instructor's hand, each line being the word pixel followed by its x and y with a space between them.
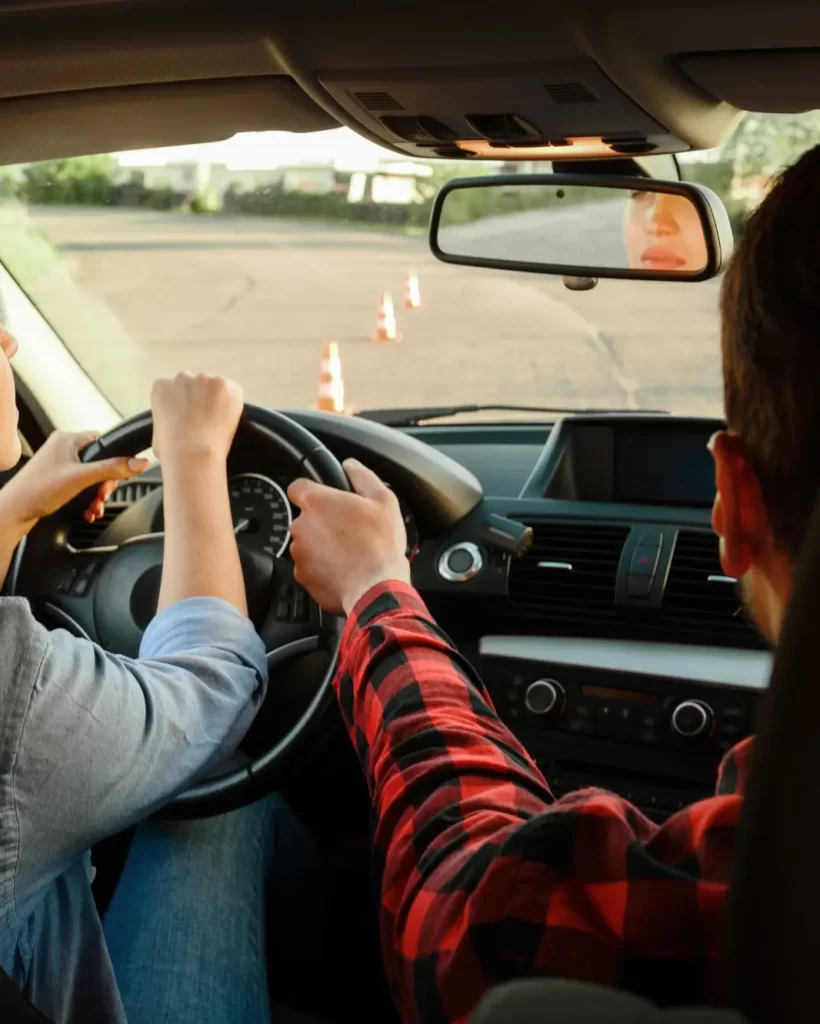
pixel 55 475
pixel 344 544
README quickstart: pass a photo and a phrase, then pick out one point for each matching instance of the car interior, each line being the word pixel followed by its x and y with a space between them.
pixel 570 557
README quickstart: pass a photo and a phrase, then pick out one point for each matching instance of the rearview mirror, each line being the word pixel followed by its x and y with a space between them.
pixel 582 226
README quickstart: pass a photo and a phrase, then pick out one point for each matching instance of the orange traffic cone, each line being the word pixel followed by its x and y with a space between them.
pixel 331 396
pixel 412 293
pixel 385 320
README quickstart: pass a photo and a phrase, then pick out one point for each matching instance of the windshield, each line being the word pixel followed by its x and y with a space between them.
pixel 245 258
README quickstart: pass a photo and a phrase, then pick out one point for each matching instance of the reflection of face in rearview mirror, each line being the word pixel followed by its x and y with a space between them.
pixel 582 226
pixel 663 232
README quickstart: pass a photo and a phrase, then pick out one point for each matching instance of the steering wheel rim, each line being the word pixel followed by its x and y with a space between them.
pixel 275 431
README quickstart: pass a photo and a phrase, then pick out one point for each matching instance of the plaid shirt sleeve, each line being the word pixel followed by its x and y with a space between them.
pixel 484 876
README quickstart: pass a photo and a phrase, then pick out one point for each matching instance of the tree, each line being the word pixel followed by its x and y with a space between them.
pixel 764 144
pixel 84 180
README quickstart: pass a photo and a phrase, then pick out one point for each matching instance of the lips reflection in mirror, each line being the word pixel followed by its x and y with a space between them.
pixel 663 232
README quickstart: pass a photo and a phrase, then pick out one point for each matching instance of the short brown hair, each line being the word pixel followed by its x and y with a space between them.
pixel 770 340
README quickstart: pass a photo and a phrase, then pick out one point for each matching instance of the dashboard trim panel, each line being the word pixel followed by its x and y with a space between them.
pixel 709 666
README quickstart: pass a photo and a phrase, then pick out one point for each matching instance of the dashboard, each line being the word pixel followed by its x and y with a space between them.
pixel 617 649
pixel 574 565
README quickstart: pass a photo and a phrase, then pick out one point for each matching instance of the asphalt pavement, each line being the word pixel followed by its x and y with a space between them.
pixel 138 294
pixel 587 233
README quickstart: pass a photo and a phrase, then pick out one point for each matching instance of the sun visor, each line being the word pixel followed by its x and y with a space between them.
pixel 767 81
pixel 55 125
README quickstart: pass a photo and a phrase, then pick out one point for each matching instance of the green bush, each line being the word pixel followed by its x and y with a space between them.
pixel 80 181
pixel 714 174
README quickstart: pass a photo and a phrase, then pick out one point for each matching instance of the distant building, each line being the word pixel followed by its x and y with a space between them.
pixel 390 184
pixel 188 177
pixel 394 183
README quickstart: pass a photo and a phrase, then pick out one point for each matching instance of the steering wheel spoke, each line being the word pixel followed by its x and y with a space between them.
pixel 291 613
pixel 66 593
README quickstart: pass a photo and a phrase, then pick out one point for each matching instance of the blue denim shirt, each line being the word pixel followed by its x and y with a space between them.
pixel 90 743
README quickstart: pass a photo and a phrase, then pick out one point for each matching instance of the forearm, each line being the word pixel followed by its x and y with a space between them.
pixel 12 530
pixel 201 557
pixel 483 874
pixel 10 537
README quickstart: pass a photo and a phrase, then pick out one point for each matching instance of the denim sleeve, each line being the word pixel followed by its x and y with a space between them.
pixel 104 740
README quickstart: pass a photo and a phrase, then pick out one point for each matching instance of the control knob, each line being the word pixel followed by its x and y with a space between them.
pixel 692 718
pixel 544 696
pixel 461 562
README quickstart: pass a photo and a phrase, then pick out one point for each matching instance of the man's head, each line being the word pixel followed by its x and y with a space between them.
pixel 768 462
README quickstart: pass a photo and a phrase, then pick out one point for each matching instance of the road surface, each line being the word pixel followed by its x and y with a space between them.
pixel 138 294
pixel 587 234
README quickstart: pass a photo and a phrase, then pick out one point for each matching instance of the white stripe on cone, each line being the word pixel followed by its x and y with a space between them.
pixel 385 319
pixel 412 291
pixel 331 393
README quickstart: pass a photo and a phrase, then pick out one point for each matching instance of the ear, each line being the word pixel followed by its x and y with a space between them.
pixel 739 516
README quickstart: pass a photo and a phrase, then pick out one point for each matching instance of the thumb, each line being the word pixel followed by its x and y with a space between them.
pixel 363 480
pixel 111 469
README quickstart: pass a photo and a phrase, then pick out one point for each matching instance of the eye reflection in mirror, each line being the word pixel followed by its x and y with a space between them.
pixel 663 232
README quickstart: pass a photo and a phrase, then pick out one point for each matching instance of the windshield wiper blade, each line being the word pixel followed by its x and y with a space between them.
pixel 414 417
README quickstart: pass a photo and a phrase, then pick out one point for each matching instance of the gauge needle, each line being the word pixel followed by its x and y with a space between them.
pixel 241 526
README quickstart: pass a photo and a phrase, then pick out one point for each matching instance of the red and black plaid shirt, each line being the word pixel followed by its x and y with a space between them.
pixel 484 876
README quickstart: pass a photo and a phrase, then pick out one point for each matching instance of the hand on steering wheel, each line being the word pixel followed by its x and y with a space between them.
pixel 56 475
pixel 108 594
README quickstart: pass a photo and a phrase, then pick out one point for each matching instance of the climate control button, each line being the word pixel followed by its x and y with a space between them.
pixel 545 697
pixel 692 718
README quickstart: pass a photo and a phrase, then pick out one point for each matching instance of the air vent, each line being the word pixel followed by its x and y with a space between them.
pixel 378 101
pixel 568 575
pixel 570 92
pixel 133 490
pixel 700 605
pixel 83 535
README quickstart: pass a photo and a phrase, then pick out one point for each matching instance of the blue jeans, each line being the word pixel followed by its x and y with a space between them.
pixel 186 928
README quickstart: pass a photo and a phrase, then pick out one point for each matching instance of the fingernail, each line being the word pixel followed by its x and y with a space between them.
pixel 352 463
pixel 137 464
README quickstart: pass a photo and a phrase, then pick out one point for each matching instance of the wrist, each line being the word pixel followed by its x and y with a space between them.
pixel 400 573
pixel 193 459
pixel 15 519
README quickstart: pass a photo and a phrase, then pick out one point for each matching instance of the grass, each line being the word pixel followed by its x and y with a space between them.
pixel 24 249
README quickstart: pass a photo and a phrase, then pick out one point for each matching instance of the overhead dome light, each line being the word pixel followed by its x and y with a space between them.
pixel 575 148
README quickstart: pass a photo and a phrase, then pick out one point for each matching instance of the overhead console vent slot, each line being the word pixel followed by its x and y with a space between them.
pixel 378 100
pixel 420 130
pixel 568 575
pixel 701 603
pixel 504 127
pixel 570 92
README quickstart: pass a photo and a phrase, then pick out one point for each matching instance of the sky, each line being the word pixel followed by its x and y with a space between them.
pixel 257 150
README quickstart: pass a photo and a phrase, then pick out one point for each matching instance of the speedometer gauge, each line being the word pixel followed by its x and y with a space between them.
pixel 261 513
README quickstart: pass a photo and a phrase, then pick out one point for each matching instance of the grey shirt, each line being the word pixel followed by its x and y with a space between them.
pixel 90 743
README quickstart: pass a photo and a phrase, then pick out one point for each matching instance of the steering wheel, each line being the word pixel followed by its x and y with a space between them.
pixel 108 594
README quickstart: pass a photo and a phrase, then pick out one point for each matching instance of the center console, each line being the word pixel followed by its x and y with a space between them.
pixel 648 721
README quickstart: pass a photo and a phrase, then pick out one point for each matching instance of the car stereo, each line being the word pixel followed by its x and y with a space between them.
pixel 656 741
